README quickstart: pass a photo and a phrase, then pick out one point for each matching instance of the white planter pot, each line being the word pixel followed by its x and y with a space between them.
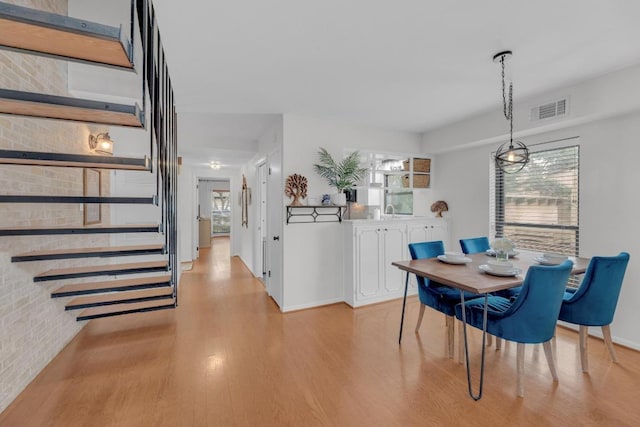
pixel 339 199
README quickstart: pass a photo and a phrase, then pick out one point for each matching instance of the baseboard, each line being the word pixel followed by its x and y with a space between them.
pixel 595 331
pixel 245 265
pixel 316 304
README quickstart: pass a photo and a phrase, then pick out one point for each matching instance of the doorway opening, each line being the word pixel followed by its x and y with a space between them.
pixel 214 210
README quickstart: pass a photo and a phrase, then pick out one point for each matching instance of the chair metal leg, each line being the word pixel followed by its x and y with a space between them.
pixel 584 338
pixel 551 361
pixel 520 370
pixel 489 340
pixel 451 321
pixel 498 343
pixel 422 307
pixel 606 334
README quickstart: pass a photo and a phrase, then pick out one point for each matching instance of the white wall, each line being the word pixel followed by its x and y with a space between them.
pixel 608 175
pixel 313 252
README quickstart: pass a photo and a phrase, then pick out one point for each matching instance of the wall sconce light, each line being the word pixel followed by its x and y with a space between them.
pixel 101 144
pixel 215 165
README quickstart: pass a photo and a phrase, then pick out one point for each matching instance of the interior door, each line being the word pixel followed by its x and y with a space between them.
pixel 260 252
pixel 275 207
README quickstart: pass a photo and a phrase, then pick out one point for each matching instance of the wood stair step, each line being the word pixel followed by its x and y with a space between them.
pixel 102 252
pixel 120 285
pixel 45 106
pixel 102 270
pixel 20 198
pixel 63 37
pixel 128 297
pixel 37 158
pixel 94 229
pixel 121 309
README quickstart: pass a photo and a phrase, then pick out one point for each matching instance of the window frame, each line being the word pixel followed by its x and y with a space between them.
pixel 498 205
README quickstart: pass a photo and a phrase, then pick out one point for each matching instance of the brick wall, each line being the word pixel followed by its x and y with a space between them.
pixel 34 327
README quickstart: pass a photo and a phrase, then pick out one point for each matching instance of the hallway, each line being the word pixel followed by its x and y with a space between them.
pixel 226 356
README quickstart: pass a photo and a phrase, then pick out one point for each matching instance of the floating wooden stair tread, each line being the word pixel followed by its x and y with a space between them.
pixel 32 104
pixel 102 252
pixel 121 285
pixel 102 229
pixel 130 297
pixel 102 270
pixel 77 199
pixel 120 309
pixel 63 37
pixel 36 158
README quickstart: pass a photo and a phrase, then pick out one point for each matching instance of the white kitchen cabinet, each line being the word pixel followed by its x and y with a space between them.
pixel 436 229
pixel 371 247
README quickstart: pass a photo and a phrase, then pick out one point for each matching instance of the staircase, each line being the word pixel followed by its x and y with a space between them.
pixel 154 287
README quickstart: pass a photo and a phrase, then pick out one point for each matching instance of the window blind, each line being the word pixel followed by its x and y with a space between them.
pixel 538 207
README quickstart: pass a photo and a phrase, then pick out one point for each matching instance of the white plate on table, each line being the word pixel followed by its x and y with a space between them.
pixel 464 260
pixel 509 273
pixel 491 252
pixel 543 261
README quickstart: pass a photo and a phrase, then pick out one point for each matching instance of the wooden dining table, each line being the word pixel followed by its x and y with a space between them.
pixel 469 277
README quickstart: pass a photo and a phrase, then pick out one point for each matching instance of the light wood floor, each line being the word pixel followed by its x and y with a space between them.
pixel 228 357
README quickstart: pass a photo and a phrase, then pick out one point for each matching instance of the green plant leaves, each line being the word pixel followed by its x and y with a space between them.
pixel 343 175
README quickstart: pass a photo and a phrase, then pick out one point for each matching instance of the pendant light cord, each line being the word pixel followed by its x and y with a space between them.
pixel 508 112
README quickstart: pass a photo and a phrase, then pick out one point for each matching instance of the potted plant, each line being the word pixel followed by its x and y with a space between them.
pixel 343 175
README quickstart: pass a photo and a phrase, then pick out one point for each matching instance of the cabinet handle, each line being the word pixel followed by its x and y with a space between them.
pixel 276 237
pixel 386 229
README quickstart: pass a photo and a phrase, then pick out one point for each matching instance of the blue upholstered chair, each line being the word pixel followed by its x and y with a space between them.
pixel 530 319
pixel 594 302
pixel 475 245
pixel 481 244
pixel 435 295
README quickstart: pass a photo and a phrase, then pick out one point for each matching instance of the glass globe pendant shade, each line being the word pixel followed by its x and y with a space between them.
pixel 512 158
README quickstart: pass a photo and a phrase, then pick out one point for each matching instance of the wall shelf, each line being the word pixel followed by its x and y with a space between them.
pixel 309 214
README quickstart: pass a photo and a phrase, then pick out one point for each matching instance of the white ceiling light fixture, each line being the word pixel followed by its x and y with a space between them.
pixel 515 156
pixel 215 165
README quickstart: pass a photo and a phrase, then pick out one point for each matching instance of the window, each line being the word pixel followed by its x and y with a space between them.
pixel 537 207
pixel 401 200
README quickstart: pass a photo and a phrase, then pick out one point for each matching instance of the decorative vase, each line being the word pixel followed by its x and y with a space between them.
pixel 339 199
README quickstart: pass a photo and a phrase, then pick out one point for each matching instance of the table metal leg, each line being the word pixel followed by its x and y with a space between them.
pixel 466 346
pixel 404 303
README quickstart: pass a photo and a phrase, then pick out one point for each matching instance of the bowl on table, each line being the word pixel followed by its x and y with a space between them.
pixel 553 258
pixel 500 266
pixel 455 256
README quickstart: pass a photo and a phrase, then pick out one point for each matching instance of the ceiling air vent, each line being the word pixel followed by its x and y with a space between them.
pixel 549 110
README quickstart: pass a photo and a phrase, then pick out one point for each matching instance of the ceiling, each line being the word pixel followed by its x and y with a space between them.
pixel 409 65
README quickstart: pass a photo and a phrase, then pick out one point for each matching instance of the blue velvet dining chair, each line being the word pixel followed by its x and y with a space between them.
pixel 594 302
pixel 530 318
pixel 435 295
pixel 475 245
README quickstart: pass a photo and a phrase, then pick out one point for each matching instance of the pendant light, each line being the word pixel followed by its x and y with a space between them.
pixel 513 157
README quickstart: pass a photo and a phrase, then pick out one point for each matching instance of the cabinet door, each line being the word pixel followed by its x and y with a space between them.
pixel 367 262
pixel 417 233
pixel 394 248
pixel 440 231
